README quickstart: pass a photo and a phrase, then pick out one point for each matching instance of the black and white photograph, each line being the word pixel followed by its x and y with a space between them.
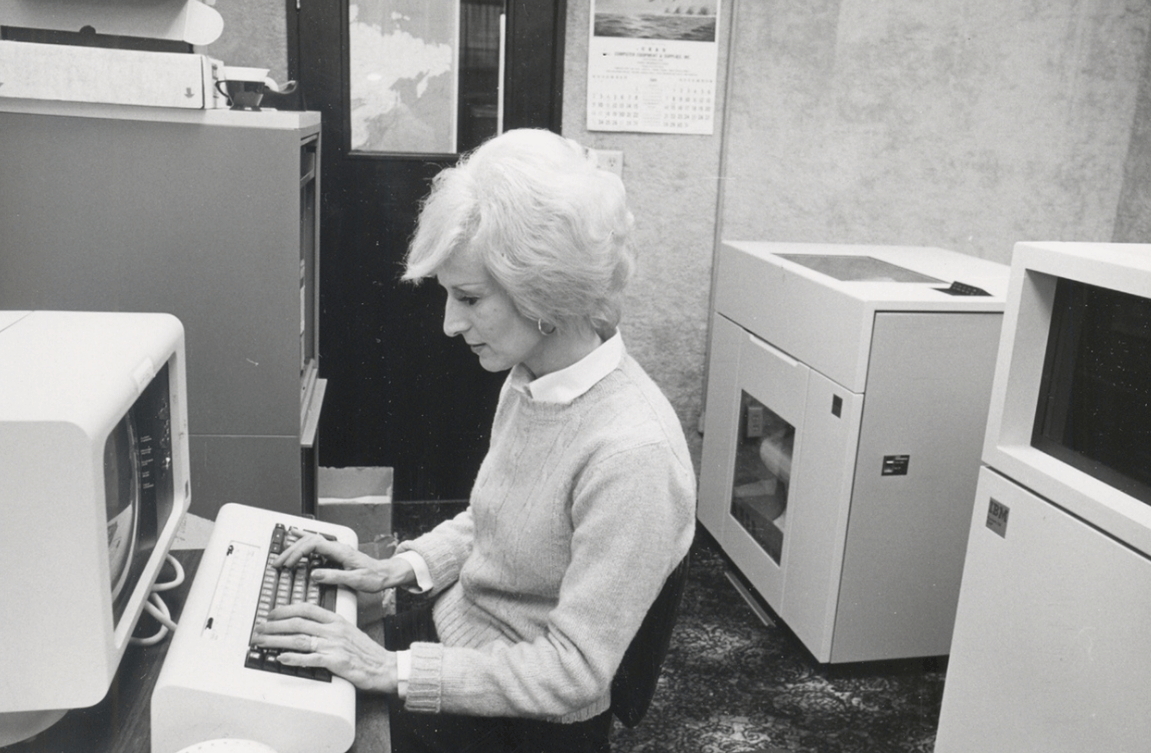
pixel 581 376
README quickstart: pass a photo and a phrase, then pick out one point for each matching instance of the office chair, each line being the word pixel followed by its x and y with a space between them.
pixel 634 684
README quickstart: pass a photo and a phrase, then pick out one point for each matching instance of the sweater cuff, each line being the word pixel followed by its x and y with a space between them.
pixel 424 681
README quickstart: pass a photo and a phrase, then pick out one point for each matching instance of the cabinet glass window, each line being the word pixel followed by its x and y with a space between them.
pixel 762 474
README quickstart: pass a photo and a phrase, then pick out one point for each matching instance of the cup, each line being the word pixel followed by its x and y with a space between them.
pixel 242 95
pixel 244 88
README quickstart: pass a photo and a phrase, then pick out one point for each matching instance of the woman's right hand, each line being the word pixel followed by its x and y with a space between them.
pixel 360 572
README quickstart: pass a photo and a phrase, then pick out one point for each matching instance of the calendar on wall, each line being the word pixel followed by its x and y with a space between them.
pixel 652 66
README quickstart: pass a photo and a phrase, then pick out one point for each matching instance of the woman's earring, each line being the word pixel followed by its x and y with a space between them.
pixel 545 329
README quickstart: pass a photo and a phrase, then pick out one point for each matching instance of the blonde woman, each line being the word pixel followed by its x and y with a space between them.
pixel 584 503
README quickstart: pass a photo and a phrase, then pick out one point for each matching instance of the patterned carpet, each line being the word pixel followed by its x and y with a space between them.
pixel 732 685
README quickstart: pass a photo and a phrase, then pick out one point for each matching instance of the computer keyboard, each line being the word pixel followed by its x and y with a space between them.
pixel 280 587
pixel 214 683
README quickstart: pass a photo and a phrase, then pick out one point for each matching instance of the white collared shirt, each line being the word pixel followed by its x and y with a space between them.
pixel 568 383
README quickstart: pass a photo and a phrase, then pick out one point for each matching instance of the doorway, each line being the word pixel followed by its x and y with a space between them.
pixel 400 393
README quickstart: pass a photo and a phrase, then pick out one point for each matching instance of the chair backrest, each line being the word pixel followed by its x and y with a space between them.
pixel 634 684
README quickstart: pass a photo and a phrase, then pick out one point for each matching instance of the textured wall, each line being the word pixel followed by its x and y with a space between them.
pixel 1133 220
pixel 255 35
pixel 968 125
pixel 672 183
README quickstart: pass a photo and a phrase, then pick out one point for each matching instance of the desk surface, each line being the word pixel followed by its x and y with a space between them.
pixel 121 722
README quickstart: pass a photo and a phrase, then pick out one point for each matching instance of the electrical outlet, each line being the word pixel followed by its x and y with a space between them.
pixel 610 160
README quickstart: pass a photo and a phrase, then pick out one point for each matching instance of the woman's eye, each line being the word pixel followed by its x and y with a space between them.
pixel 468 300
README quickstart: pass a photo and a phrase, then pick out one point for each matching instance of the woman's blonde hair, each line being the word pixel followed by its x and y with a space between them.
pixel 552 229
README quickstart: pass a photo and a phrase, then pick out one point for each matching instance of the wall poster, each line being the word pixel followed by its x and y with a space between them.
pixel 652 66
pixel 403 63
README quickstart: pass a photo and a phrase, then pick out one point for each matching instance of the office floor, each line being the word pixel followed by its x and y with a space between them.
pixel 732 684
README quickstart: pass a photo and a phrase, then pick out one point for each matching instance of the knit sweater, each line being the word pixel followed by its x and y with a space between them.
pixel 578 514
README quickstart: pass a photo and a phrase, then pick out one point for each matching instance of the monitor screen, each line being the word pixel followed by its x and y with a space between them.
pixel 138 487
pixel 1094 410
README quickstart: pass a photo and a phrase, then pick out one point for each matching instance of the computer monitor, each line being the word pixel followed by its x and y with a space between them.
pixel 93 485
pixel 1070 411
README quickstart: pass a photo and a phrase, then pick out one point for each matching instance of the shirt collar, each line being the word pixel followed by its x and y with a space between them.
pixel 567 384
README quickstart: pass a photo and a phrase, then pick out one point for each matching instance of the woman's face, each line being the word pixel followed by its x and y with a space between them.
pixel 480 311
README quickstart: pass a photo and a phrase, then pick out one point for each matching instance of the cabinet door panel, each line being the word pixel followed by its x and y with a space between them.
pixel 928 389
pixel 820 506
pixel 770 398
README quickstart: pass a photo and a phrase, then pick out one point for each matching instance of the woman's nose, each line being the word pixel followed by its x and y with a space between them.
pixel 454 321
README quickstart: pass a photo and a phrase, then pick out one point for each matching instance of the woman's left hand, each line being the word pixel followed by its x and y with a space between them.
pixel 311 636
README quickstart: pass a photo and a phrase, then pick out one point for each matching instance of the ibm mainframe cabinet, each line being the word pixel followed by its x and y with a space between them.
pixel 206 214
pixel 847 395
pixel 1050 651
